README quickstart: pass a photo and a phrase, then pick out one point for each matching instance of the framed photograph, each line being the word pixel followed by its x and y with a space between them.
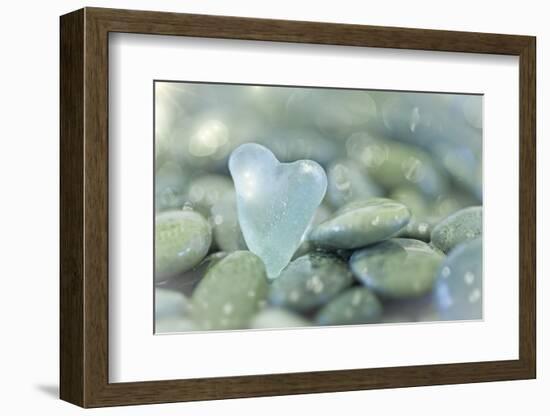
pixel 255 207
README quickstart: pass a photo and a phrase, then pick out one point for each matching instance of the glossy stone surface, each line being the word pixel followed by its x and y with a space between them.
pixel 322 213
pixel 418 229
pixel 360 223
pixel 231 292
pixel 186 282
pixel 182 239
pixel 421 222
pixel 277 318
pixel 275 202
pixel 397 268
pixel 309 282
pixel 358 305
pixel 458 290
pixel 457 228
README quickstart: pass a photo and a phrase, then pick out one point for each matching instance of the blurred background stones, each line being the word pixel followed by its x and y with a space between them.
pixel 396 239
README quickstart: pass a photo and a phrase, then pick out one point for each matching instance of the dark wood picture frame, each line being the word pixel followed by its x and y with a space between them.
pixel 84 207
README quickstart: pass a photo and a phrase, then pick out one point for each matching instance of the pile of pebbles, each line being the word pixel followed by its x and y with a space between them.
pixel 396 239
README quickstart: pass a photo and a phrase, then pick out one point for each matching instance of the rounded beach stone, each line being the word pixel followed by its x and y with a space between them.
pixel 309 282
pixel 186 282
pixel 347 183
pixel 418 229
pixel 457 228
pixel 393 164
pixel 397 268
pixel 231 292
pixel 361 223
pixel 358 305
pixel 459 286
pixel 170 303
pixel 182 239
pixel 225 224
pixel 322 213
pixel 277 318
pixel 421 223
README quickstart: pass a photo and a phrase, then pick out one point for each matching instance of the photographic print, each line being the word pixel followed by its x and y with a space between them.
pixel 219 211
pixel 284 207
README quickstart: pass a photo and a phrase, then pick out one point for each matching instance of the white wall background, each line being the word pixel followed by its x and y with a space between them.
pixel 29 207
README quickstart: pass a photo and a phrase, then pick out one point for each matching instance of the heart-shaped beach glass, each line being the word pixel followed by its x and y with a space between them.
pixel 276 202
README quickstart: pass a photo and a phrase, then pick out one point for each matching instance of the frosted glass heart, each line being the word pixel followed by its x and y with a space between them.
pixel 275 202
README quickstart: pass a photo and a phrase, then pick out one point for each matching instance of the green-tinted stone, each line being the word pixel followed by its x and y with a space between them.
pixel 457 228
pixel 277 318
pixel 426 213
pixel 358 305
pixel 231 292
pixel 394 164
pixel 459 287
pixel 419 229
pixel 170 303
pixel 186 282
pixel 310 281
pixel 322 213
pixel 205 191
pixel 182 239
pixel 347 183
pixel 421 223
pixel 397 268
pixel 225 224
pixel 361 223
